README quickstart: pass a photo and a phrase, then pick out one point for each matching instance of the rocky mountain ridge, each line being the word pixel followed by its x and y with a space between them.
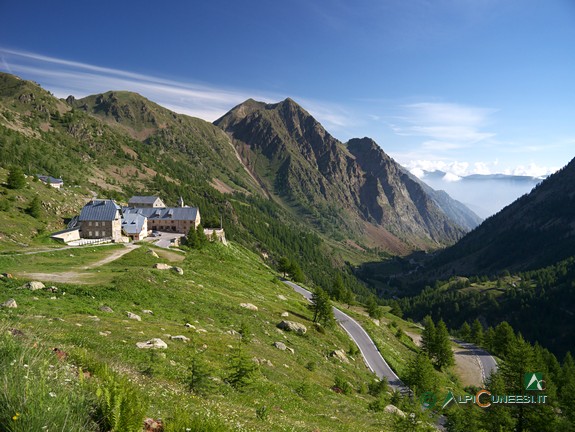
pixel 355 185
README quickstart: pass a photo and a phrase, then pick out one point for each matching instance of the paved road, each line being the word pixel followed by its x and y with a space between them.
pixel 486 361
pixel 369 351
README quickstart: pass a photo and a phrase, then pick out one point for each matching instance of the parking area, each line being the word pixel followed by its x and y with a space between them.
pixel 164 239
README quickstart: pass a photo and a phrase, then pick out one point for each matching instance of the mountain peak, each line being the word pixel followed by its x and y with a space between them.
pixel 359 190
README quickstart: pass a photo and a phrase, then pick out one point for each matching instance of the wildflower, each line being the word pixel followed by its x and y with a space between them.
pixel 52 394
pixel 15 417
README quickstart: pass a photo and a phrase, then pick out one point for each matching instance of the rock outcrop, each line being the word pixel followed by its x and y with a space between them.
pixel 292 326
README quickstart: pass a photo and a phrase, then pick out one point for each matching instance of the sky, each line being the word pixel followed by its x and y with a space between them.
pixel 465 86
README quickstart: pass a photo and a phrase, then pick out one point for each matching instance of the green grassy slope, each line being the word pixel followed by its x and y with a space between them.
pixel 295 388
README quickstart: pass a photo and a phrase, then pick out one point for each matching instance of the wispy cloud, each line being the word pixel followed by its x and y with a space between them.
pixel 444 126
pixel 209 102
pixel 65 77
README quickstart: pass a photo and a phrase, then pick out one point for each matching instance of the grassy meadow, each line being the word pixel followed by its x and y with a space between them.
pixel 228 376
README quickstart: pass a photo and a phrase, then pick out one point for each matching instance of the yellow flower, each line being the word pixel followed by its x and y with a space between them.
pixel 15 417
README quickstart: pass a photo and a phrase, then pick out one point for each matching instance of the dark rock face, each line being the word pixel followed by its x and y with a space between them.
pixel 338 186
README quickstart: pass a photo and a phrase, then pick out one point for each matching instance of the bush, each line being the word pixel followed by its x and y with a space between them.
pixel 120 407
pixel 343 385
pixel 377 388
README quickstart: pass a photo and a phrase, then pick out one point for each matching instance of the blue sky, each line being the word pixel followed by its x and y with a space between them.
pixel 468 86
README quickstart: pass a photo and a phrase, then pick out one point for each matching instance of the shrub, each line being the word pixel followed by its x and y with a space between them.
pixel 343 385
pixel 119 407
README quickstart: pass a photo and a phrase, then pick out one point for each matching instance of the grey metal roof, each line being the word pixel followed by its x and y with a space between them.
pixel 49 179
pixel 99 210
pixel 132 223
pixel 168 213
pixel 143 200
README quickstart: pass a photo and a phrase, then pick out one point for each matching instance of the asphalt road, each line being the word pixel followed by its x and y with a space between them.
pixel 369 351
pixel 486 360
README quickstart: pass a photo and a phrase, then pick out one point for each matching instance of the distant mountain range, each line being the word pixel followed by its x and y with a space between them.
pixel 484 194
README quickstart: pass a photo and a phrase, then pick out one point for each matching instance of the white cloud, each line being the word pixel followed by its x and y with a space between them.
pixel 531 170
pixel 450 177
pixel 455 170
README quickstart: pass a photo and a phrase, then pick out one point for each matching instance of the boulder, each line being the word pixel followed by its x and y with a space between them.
pixel 152 253
pixel 249 306
pixel 262 361
pixel 178 270
pixel 282 297
pixel 280 345
pixel 340 355
pixel 291 350
pixel 52 289
pixel 392 409
pixel 188 325
pixel 10 303
pixel 148 311
pixel 293 326
pixel 285 314
pixel 154 343
pixel 134 316
pixel 8 275
pixel 180 338
pixel 162 266
pixel 106 309
pixel 34 285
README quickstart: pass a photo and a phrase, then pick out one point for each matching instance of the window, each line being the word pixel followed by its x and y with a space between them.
pixel 97 233
pixel 90 224
pixel 89 233
pixel 103 233
pixel 96 223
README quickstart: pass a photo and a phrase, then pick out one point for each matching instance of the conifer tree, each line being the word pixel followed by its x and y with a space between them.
pixel 192 240
pixel 202 239
pixel 373 308
pixel 198 378
pixel 284 266
pixel 477 332
pixel 503 338
pixel 242 369
pixel 321 307
pixel 428 337
pixel 16 179
pixel 498 417
pixel 35 208
pixel 420 375
pixel 567 388
pixel 442 344
pixel 465 332
pixel 296 272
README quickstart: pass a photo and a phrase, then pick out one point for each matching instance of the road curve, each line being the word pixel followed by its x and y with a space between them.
pixel 369 351
pixel 486 361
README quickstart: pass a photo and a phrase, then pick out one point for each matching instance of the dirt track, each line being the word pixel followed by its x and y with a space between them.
pixel 75 276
